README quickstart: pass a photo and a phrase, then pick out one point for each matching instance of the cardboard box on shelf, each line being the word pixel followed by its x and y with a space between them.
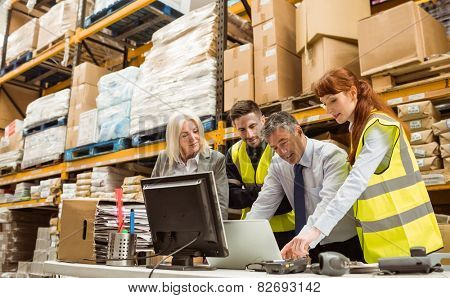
pixel 381 83
pixel 88 128
pixel 71 137
pixel 400 35
pixel 422 137
pixel 333 18
pixel 277 75
pixel 430 163
pixel 23 39
pixel 325 54
pixel 277 31
pixel 417 110
pixel 13 139
pixel 421 124
pixel 444 138
pixel 441 127
pixel 447 164
pixel 238 61
pixel 426 150
pixel 239 88
pixel 87 73
pixel 264 10
pixel 445 233
pixel 435 177
pixel 82 99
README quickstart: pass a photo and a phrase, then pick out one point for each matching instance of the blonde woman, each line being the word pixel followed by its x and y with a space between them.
pixel 187 152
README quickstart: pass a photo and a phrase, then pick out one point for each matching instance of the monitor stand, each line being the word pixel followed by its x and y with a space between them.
pixel 184 263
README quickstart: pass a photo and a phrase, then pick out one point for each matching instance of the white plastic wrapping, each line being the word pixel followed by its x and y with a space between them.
pixel 47 108
pixel 57 21
pixel 49 186
pixel 178 73
pixel 11 158
pixel 23 39
pixel 44 146
pixel 101 4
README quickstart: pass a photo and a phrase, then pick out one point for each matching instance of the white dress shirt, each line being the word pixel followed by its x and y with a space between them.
pixel 375 153
pixel 325 169
pixel 189 167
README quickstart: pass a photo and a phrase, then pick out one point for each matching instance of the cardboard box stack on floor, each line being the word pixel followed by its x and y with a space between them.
pixel 18 236
pixel 82 99
pixel 277 67
pixel 398 36
pixel 420 117
pixel 44 251
pixel 132 189
pixel 238 75
pixel 84 183
pixel 326 36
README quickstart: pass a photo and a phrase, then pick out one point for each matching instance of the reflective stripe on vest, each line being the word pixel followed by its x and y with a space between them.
pixel 394 213
pixel 279 223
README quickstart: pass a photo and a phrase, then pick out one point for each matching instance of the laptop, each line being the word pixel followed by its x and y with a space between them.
pixel 249 241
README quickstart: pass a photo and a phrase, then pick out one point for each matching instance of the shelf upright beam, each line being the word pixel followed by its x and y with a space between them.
pixel 5 37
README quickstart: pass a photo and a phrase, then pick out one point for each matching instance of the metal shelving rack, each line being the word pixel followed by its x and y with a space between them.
pixel 215 137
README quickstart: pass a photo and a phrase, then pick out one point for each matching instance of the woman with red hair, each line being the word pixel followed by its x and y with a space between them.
pixel 391 204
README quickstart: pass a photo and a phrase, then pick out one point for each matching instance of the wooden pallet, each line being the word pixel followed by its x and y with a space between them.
pixel 290 104
pixel 9 169
pixel 401 76
pixel 100 148
pixel 54 160
pixel 16 62
pixel 18 56
pixel 53 43
pixel 46 125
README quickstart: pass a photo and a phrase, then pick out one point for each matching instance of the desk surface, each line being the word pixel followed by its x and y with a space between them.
pixel 84 270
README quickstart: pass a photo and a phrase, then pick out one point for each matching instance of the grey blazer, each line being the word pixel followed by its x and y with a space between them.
pixel 213 161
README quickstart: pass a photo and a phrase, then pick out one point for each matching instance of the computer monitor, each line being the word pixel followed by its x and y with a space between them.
pixel 181 209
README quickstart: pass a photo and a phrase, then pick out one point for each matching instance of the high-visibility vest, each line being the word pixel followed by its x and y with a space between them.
pixel 279 223
pixel 394 213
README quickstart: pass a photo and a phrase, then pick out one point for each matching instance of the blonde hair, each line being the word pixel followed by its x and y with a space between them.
pixel 173 132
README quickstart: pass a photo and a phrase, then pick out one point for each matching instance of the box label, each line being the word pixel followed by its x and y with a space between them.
pixel 416 137
pixel 271 78
pixel 271 52
pixel 420 162
pixel 415 124
pixel 417 96
pixel 395 101
pixel 413 109
pixel 420 153
pixel 243 78
pixel 267 26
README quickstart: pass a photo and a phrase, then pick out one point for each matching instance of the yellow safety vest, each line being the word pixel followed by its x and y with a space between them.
pixel 279 223
pixel 394 213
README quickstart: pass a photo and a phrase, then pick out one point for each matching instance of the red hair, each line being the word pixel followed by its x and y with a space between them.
pixel 341 80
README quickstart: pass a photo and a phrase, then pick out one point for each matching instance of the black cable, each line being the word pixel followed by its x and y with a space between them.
pixel 171 254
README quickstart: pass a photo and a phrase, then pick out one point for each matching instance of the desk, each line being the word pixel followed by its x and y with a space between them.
pixel 84 270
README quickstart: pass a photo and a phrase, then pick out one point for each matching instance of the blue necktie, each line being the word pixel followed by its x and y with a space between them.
pixel 299 199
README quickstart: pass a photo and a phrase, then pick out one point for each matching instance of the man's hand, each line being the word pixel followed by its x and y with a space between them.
pixel 298 247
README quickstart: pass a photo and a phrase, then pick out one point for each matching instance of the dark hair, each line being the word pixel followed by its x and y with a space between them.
pixel 279 120
pixel 242 108
pixel 341 79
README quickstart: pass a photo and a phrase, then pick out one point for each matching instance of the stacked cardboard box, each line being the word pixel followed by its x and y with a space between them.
pixel 18 236
pixel 50 188
pixel 328 41
pixel 442 130
pixel 132 189
pixel 420 118
pixel 82 99
pixel 11 145
pixel 398 36
pixel 277 67
pixel 23 191
pixel 238 75
pixel 84 183
pixel 41 252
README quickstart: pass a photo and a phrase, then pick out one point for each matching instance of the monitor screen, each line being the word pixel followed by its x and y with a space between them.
pixel 181 209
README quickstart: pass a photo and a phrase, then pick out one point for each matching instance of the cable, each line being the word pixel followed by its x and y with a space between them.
pixel 171 254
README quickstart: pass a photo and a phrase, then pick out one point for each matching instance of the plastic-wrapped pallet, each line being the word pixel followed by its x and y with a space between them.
pixel 35 192
pixel 69 191
pixel 50 187
pixel 23 39
pixel 11 159
pixel 23 190
pixel 102 4
pixel 44 146
pixel 84 182
pixel 61 18
pixel 114 103
pixel 39 111
pixel 179 72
